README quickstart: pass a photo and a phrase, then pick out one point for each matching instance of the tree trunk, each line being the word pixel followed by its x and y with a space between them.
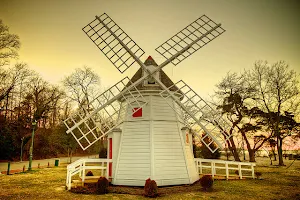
pixel 251 151
pixel 270 159
pixel 279 149
pixel 232 148
pixel 251 155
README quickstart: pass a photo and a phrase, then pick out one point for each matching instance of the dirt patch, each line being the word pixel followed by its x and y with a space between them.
pixel 90 188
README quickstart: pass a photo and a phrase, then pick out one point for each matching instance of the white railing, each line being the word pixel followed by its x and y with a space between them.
pixel 80 166
pixel 214 165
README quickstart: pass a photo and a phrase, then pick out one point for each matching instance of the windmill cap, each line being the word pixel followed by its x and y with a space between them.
pixel 150 61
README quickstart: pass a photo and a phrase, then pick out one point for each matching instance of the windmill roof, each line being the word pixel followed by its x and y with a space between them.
pixel 162 76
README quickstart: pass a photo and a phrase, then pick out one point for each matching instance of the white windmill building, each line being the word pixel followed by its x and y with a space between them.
pixel 147 118
pixel 152 141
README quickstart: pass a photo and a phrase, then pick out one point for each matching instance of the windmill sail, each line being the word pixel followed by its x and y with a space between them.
pixel 190 39
pixel 113 42
pixel 209 124
pixel 90 125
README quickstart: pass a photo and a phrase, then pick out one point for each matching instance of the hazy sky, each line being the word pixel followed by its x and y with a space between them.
pixel 54 45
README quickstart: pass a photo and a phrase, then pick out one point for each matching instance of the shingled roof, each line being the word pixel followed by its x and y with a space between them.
pixel 162 76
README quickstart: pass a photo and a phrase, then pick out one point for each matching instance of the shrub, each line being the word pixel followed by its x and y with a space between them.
pixel 258 175
pixel 102 185
pixel 89 173
pixel 151 189
pixel 206 182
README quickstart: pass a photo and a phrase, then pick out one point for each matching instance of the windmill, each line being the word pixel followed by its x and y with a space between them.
pixel 148 118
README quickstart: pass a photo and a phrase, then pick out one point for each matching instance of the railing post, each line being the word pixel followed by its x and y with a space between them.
pixel 215 171
pixel 212 169
pixel 227 171
pixel 102 170
pixel 83 172
pixel 240 171
pixel 107 169
pixel 201 172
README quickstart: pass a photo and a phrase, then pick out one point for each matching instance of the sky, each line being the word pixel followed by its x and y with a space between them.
pixel 54 45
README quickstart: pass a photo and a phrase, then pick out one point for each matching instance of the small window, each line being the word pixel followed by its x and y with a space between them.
pixel 137 112
pixel 151 80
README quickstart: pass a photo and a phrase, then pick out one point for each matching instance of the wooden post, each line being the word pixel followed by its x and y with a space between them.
pixel 107 169
pixel 23 168
pixel 252 168
pixel 240 171
pixel 201 167
pixel 83 172
pixel 212 169
pixel 227 171
pixel 8 168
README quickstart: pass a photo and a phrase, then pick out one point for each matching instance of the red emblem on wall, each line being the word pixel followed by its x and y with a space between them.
pixel 137 112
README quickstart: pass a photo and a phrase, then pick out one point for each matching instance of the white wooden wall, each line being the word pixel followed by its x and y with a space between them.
pixel 152 146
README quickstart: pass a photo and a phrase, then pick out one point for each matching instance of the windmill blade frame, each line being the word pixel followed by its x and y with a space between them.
pixel 190 39
pixel 201 114
pixel 89 127
pixel 115 44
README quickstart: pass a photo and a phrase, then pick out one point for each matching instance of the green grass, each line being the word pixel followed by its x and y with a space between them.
pixel 49 183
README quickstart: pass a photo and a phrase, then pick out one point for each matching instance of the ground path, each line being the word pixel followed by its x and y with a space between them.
pixel 18 166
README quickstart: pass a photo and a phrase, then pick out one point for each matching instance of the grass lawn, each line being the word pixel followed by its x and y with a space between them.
pixel 49 183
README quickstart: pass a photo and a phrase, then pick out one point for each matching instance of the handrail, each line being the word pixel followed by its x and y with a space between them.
pixel 239 167
pixel 79 167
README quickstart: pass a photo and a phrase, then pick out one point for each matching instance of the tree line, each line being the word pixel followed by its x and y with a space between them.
pixel 26 97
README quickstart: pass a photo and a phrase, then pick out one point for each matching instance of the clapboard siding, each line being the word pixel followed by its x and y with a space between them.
pixel 168 164
pixel 170 170
pixel 161 110
pixel 171 176
pixel 152 146
pixel 168 154
pixel 139 165
pixel 134 151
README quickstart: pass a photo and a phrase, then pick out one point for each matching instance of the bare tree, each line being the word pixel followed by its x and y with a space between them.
pixel 237 95
pixel 9 45
pixel 10 80
pixel 44 98
pixel 82 86
pixel 277 95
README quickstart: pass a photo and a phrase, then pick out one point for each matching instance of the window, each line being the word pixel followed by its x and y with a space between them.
pixel 151 80
pixel 137 112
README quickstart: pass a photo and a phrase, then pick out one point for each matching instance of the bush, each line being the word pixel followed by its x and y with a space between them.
pixel 102 185
pixel 258 175
pixel 151 189
pixel 89 173
pixel 206 182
